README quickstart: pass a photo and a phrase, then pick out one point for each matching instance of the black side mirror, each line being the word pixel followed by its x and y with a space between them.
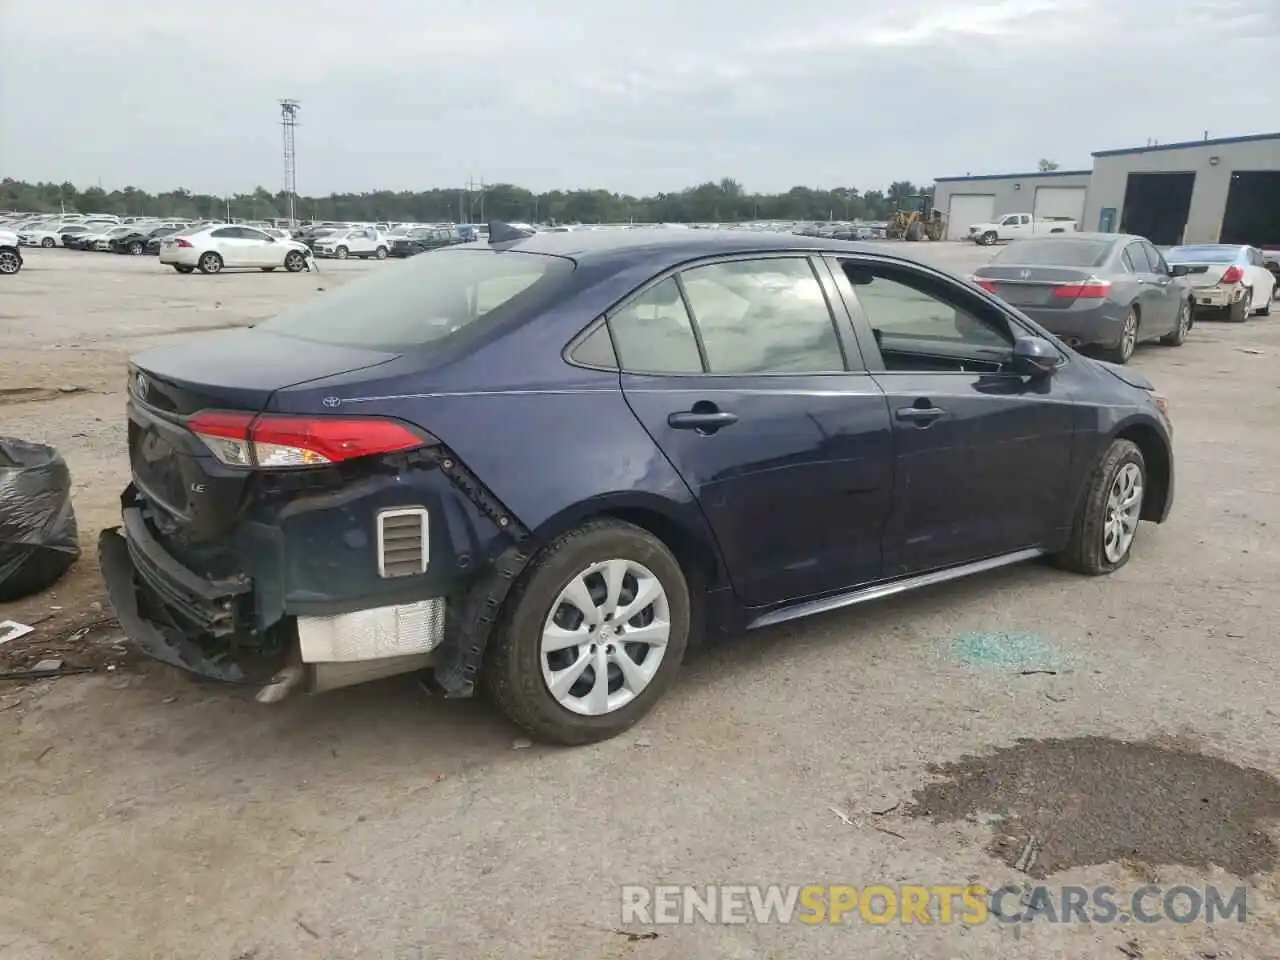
pixel 1035 357
pixel 1179 270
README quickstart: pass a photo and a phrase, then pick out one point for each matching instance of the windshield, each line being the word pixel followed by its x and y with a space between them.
pixel 431 297
pixel 1056 253
pixel 1207 254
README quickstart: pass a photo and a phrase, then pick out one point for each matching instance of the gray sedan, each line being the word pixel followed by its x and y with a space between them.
pixel 1103 290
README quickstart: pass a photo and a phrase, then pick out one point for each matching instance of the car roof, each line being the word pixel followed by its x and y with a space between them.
pixel 664 247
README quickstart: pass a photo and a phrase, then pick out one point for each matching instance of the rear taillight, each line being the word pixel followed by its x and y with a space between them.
pixel 1232 274
pixel 182 243
pixel 1089 290
pixel 985 284
pixel 273 441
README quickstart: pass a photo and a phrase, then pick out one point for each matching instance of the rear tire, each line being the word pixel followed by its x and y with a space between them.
pixel 10 261
pixel 915 232
pixel 1239 311
pixel 183 268
pixel 210 262
pixel 1095 522
pixel 136 249
pixel 517 667
pixel 380 253
pixel 1178 336
pixel 1123 351
pixel 48 243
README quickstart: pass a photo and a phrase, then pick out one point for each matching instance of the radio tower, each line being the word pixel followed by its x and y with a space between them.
pixel 289 124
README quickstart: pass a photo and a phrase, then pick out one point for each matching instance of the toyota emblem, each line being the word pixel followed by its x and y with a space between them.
pixel 332 402
pixel 1025 274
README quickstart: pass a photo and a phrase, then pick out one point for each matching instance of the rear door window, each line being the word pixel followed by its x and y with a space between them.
pixel 653 333
pixel 1138 257
pixel 763 316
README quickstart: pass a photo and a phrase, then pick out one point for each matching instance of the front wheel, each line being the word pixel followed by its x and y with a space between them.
pixel 1128 342
pixel 295 262
pixel 1178 335
pixel 592 634
pixel 988 239
pixel 1106 524
pixel 136 249
pixel 48 242
pixel 342 253
pixel 10 261
pixel 210 263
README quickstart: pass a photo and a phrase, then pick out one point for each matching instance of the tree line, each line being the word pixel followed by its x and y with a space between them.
pixel 725 201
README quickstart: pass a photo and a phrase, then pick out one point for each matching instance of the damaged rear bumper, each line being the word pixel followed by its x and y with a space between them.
pixel 201 626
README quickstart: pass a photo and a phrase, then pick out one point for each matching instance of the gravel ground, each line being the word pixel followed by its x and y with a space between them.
pixel 145 816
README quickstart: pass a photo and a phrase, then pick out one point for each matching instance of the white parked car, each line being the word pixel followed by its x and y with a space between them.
pixel 1226 277
pixel 361 242
pixel 10 255
pixel 212 248
pixel 51 234
pixel 1017 226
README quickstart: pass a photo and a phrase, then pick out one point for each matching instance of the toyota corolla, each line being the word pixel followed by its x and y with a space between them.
pixel 546 464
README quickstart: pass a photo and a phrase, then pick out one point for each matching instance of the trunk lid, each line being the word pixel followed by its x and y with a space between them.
pixel 1204 274
pixel 1032 286
pixel 197 497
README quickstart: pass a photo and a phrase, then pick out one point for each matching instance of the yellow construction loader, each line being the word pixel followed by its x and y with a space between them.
pixel 917 220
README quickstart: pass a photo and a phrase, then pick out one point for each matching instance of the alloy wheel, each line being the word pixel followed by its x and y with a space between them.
pixel 1124 506
pixel 605 637
pixel 1129 337
pixel 9 262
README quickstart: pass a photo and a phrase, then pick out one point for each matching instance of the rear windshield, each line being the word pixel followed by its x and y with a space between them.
pixel 1056 253
pixel 424 300
pixel 1213 254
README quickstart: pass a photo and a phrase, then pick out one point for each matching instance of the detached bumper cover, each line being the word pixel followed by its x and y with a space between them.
pixel 130 593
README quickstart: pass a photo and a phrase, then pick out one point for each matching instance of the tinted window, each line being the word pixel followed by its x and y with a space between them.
pixel 1056 252
pixel 653 333
pixel 763 316
pixel 1138 257
pixel 902 307
pixel 1206 254
pixel 248 234
pixel 1155 259
pixel 1129 262
pixel 425 300
pixel 226 233
pixel 596 350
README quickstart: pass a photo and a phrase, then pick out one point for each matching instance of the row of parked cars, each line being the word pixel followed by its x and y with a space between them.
pixel 1111 292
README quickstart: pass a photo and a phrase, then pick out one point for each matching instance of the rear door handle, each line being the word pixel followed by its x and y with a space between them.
pixel 707 421
pixel 921 415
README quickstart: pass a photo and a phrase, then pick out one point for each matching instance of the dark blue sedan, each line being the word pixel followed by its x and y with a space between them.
pixel 551 462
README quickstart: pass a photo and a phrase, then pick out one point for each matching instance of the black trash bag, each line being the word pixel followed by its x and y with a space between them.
pixel 38 537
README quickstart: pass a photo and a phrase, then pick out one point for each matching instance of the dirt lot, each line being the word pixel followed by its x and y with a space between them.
pixel 144 816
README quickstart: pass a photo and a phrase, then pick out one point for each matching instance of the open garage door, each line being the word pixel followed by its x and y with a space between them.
pixel 966 209
pixel 1060 202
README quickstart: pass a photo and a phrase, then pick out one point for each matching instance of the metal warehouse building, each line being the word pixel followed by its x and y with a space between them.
pixel 1198 191
pixel 967 200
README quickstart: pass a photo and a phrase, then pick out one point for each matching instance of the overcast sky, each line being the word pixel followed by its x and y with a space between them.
pixel 629 96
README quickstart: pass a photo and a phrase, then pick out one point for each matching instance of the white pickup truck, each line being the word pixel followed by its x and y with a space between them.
pixel 1015 226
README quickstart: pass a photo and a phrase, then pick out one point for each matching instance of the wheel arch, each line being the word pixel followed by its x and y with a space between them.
pixel 1159 460
pixel 679 526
